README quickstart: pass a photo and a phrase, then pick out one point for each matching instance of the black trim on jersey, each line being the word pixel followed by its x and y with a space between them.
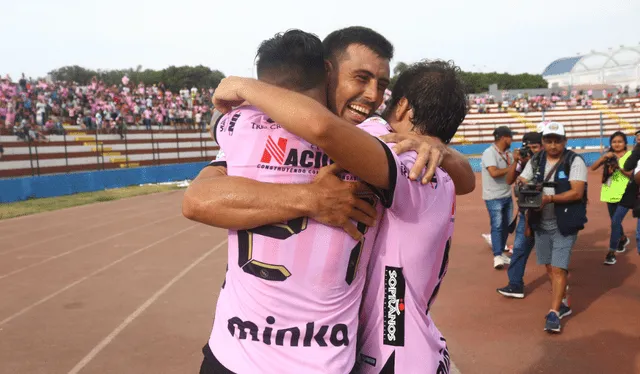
pixel 218 163
pixel 215 128
pixel 386 196
pixel 390 366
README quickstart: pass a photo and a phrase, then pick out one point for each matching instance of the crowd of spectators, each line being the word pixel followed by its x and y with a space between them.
pixel 524 103
pixel 33 109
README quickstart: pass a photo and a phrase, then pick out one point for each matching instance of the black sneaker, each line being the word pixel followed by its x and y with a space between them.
pixel 622 245
pixel 564 311
pixel 610 259
pixel 512 291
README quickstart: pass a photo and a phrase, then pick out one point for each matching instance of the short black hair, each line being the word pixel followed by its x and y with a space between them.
pixel 437 96
pixel 293 59
pixel 336 43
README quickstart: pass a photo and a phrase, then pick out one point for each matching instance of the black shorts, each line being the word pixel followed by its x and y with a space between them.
pixel 211 365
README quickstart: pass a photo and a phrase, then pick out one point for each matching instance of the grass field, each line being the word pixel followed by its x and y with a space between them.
pixel 23 208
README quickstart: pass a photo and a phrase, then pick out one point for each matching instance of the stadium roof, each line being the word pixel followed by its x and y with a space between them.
pixel 623 56
pixel 561 66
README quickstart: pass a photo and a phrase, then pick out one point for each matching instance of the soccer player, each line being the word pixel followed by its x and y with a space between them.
pixel 292 291
pixel 358 72
pixel 411 252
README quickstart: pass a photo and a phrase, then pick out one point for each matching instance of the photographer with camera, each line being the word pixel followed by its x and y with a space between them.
pixel 522 245
pixel 615 182
pixel 553 186
pixel 630 199
pixel 496 193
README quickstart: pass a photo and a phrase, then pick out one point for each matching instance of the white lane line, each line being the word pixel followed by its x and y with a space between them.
pixel 70 285
pixel 72 221
pixel 136 228
pixel 454 369
pixel 71 232
pixel 96 350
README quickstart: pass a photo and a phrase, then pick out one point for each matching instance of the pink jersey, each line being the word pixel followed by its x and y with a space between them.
pixel 293 290
pixel 408 262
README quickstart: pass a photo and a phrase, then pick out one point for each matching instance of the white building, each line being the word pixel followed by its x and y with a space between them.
pixel 618 67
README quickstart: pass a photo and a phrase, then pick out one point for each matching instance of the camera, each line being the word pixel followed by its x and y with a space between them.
pixel 530 194
pixel 610 166
pixel 525 152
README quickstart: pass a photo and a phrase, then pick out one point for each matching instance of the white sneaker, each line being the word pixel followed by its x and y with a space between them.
pixel 498 262
pixel 506 259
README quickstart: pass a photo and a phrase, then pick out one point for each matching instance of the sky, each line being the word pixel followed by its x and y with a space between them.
pixel 512 36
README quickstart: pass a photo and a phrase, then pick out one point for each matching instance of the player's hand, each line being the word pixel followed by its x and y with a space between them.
pixel 227 94
pixel 337 204
pixel 609 155
pixel 431 151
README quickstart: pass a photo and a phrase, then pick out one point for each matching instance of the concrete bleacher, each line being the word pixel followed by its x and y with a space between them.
pixel 80 150
pixel 579 122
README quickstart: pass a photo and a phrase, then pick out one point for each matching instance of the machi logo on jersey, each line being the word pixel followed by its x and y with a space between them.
pixel 393 316
pixel 276 152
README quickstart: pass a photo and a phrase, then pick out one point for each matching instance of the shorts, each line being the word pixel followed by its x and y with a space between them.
pixel 553 248
pixel 211 365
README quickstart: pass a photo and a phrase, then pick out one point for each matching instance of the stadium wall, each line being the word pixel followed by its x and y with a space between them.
pixel 18 189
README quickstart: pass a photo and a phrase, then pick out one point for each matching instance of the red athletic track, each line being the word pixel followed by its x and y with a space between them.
pixel 130 286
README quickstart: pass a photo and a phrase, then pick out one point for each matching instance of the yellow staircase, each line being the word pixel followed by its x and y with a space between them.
pixel 85 138
pixel 117 159
pixel 460 139
pixel 131 165
pixel 522 119
pixel 629 128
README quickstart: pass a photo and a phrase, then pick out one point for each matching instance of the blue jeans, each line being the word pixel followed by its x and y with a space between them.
pixel 617 213
pixel 522 247
pixel 500 216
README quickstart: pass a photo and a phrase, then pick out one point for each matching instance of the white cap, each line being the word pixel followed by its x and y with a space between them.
pixel 553 128
pixel 541 126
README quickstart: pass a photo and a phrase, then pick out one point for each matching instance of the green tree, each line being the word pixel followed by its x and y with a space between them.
pixel 479 82
pixel 174 78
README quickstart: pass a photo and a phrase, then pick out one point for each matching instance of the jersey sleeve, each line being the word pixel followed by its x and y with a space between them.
pixel 411 198
pixel 220 160
pixel 376 126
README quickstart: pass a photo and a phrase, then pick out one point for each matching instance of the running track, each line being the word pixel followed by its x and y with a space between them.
pixel 130 286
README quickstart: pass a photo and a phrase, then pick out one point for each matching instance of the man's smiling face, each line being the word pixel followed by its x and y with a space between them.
pixel 357 81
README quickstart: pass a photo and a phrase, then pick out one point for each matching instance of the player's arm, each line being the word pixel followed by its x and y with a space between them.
pixel 353 149
pixel 433 153
pixel 215 199
pixel 219 200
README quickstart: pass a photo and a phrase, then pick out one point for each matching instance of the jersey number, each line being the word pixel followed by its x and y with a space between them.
pixel 278 231
pixel 283 231
pixel 443 270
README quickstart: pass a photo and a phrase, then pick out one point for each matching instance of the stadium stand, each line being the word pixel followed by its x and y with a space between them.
pixel 580 122
pixel 83 150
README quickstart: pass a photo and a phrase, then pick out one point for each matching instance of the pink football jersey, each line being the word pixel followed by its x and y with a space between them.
pixel 292 293
pixel 408 262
